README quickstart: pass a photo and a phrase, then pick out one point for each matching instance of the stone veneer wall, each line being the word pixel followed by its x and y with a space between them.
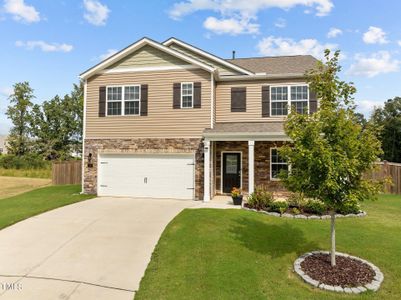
pixel 142 145
pixel 262 163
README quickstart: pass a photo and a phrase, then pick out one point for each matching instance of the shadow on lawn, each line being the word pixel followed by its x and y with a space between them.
pixel 270 239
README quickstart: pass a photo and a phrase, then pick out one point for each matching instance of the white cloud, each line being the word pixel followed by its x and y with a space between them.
pixel 399 43
pixel 96 12
pixel 6 91
pixel 334 32
pixel 231 26
pixel 377 63
pixel 21 11
pixel 375 35
pixel 44 46
pixel 241 13
pixel 107 54
pixel 273 46
pixel 366 106
pixel 280 23
pixel 245 7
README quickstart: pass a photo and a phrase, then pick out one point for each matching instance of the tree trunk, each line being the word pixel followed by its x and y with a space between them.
pixel 333 239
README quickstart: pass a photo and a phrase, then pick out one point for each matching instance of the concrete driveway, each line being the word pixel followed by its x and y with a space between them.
pixel 96 249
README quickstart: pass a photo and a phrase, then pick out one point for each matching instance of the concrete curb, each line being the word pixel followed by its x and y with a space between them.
pixel 372 286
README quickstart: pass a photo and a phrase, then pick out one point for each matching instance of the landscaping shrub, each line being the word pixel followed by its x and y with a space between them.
pixel 314 207
pixel 279 206
pixel 260 198
pixel 29 161
pixel 296 211
pixel 349 207
pixel 296 200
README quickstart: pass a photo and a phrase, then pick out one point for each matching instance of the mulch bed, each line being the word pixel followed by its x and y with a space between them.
pixel 348 272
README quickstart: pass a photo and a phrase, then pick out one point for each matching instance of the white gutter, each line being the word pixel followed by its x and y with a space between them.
pixel 83 138
pixel 260 76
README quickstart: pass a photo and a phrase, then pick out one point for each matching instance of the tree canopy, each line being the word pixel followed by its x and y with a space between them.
pixel 330 151
pixel 388 121
pixel 52 129
pixel 18 112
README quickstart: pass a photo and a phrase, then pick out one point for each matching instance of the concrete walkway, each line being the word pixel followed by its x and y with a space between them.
pixel 96 249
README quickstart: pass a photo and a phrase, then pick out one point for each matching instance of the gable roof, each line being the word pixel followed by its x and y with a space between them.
pixel 208 55
pixel 137 45
pixel 273 65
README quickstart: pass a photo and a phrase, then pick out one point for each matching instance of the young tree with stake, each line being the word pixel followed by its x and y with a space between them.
pixel 329 150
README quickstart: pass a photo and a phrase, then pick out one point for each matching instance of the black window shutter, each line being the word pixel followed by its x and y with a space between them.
pixel 197 94
pixel 177 95
pixel 144 100
pixel 265 101
pixel 238 99
pixel 102 101
pixel 312 102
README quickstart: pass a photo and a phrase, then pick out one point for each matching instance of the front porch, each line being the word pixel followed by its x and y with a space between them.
pixel 239 155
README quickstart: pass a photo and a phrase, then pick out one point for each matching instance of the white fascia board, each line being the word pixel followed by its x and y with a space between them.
pixel 207 55
pixel 259 77
pixel 145 41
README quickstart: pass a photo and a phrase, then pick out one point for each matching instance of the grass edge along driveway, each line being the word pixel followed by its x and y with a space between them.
pixel 237 254
pixel 29 204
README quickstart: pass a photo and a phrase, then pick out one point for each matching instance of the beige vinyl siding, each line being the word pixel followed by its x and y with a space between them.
pixel 147 56
pixel 162 120
pixel 220 67
pixel 253 100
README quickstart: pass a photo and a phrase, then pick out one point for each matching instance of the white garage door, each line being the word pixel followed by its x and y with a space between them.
pixel 147 175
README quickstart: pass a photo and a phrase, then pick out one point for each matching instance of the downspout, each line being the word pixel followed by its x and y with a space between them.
pixel 83 139
pixel 212 100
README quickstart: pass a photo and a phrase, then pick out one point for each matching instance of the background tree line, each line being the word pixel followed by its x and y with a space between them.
pixel 387 123
pixel 51 130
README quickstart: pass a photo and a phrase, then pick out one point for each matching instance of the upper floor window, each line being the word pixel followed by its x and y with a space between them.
pixel 187 95
pixel 123 100
pixel 277 163
pixel 283 98
pixel 131 100
pixel 279 100
pixel 114 99
pixel 299 98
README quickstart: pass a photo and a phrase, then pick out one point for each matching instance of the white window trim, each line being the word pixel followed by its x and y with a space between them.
pixel 271 163
pixel 192 95
pixel 123 99
pixel 289 100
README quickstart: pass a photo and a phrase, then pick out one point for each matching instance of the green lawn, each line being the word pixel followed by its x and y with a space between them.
pixel 237 254
pixel 17 208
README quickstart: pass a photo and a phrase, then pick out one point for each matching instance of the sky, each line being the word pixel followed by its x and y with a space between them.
pixel 50 42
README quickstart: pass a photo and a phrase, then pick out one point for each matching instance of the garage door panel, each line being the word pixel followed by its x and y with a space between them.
pixel 158 176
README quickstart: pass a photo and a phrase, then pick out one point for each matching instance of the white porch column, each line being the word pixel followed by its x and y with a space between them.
pixel 251 166
pixel 206 176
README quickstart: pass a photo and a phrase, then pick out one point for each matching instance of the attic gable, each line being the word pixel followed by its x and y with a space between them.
pixel 148 56
pixel 225 67
pixel 131 56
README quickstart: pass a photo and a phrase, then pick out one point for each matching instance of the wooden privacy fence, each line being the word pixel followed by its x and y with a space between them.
pixel 67 172
pixel 388 170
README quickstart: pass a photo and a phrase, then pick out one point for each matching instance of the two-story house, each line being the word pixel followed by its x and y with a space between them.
pixel 169 120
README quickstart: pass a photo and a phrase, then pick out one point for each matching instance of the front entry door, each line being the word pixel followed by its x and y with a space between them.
pixel 231 171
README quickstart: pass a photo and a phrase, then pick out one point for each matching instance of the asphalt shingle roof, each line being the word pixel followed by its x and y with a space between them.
pixel 247 127
pixel 297 64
